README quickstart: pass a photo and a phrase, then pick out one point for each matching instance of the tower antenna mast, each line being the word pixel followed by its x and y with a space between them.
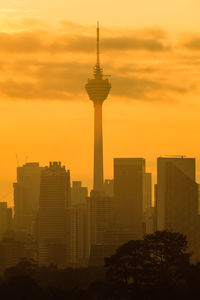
pixel 98 52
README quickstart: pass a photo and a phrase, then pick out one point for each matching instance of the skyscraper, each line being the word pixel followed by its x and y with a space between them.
pixel 149 210
pixel 129 194
pixel 78 193
pixel 26 196
pixel 177 198
pixel 171 170
pixel 5 219
pixel 53 203
pixel 78 246
pixel 100 215
pixel 98 89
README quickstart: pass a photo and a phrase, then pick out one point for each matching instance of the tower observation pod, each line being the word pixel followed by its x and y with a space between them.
pixel 98 89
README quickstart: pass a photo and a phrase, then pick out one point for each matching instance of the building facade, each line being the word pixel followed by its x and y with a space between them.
pixel 129 194
pixel 26 196
pixel 52 217
pixel 177 199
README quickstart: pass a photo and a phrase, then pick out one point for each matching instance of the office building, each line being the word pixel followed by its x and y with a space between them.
pixel 78 193
pixel 53 204
pixel 177 198
pixel 129 198
pixel 77 236
pixel 100 208
pixel 6 222
pixel 26 196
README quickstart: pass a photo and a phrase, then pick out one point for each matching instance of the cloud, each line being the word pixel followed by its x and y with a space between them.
pixel 54 64
pixel 55 41
pixel 146 89
pixel 193 43
pixel 44 81
pixel 66 80
pixel 132 43
pixel 24 42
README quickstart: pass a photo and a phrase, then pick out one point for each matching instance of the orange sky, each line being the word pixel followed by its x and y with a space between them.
pixel 47 51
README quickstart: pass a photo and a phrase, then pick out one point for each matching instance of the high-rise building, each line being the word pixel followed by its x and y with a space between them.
pixel 77 236
pixel 98 89
pixel 166 178
pixel 53 204
pixel 5 219
pixel 149 210
pixel 147 191
pixel 100 208
pixel 77 227
pixel 177 198
pixel 129 194
pixel 78 193
pixel 11 252
pixel 26 196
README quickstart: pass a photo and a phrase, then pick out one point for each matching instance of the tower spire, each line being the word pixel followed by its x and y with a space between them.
pixel 98 72
pixel 98 53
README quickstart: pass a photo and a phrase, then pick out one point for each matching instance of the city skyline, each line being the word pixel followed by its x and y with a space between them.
pixel 101 171
pixel 153 108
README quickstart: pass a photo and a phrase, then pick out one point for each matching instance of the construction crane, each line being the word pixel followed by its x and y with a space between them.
pixel 174 156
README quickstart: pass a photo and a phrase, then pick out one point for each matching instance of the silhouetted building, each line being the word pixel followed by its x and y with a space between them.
pixel 98 90
pixel 5 219
pixel 11 251
pixel 117 236
pixel 100 209
pixel 53 203
pixel 99 252
pixel 78 193
pixel 129 194
pixel 149 210
pixel 77 236
pixel 108 187
pixel 26 196
pixel 177 198
pixel 147 191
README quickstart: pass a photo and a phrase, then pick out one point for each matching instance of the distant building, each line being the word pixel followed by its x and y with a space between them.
pixel 129 199
pixel 100 208
pixel 177 198
pixel 108 187
pixel 147 191
pixel 11 251
pixel 98 253
pixel 53 204
pixel 26 196
pixel 5 219
pixel 113 238
pixel 149 210
pixel 78 246
pixel 78 193
pixel 117 236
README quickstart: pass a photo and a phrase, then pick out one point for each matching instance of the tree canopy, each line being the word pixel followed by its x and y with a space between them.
pixel 158 259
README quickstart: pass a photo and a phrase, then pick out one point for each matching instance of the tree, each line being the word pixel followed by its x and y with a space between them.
pixel 129 265
pixel 159 258
pixel 169 256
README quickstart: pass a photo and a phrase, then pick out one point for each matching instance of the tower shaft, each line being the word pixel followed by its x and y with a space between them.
pixel 98 148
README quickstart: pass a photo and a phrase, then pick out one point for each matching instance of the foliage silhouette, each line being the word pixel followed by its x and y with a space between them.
pixel 159 259
pixel 154 268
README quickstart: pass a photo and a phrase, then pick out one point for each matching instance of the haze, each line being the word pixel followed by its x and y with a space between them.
pixel 47 48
